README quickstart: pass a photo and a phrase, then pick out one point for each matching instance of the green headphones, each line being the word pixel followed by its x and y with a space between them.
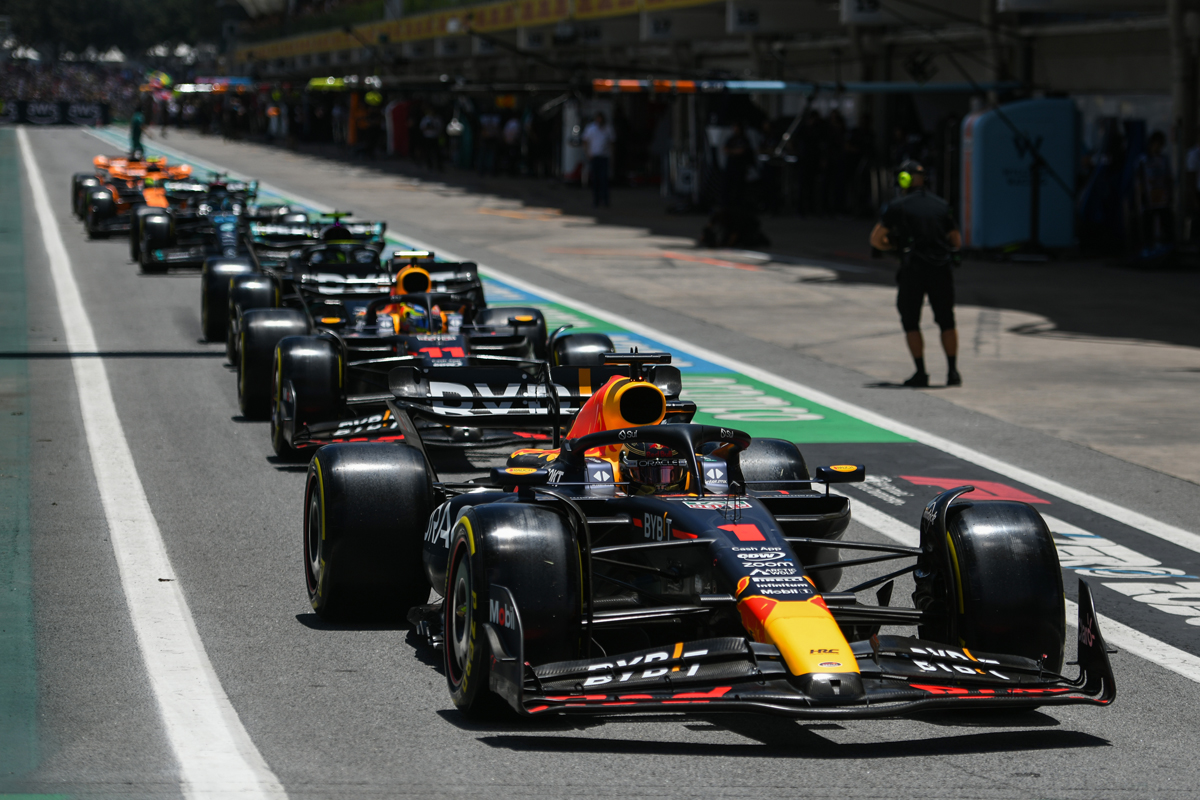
pixel 904 179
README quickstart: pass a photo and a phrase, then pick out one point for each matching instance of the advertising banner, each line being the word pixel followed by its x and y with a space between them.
pixel 53 112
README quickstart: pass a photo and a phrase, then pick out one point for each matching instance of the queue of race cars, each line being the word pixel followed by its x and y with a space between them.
pixel 590 549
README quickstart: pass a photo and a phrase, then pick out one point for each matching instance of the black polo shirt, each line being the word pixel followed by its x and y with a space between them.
pixel 918 224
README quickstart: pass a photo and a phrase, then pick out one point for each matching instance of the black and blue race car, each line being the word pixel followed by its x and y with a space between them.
pixel 638 563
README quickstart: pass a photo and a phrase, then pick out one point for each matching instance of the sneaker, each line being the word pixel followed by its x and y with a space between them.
pixel 919 380
pixel 953 378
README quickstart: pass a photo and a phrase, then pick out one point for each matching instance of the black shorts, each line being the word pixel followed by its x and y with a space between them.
pixel 918 280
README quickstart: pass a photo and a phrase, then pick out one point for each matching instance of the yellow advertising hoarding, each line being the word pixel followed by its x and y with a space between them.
pixel 485 18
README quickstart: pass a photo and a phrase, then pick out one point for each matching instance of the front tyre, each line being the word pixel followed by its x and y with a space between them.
pixel 532 552
pixel 1003 591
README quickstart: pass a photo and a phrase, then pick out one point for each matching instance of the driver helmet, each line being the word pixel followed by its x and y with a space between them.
pixel 416 320
pixel 652 468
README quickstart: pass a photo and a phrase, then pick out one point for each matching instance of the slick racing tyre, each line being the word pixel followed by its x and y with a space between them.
pixel 306 388
pixel 244 293
pixel 581 350
pixel 542 569
pixel 100 206
pixel 155 231
pixel 527 322
pixel 215 277
pixel 773 460
pixel 81 184
pixel 1003 591
pixel 366 506
pixel 261 330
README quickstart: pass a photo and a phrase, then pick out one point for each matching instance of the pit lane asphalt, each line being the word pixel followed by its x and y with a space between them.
pixel 336 711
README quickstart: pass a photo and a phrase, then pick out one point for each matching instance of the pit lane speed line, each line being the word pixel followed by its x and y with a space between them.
pixel 216 756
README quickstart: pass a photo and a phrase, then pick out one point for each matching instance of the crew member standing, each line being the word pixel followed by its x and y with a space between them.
pixel 136 122
pixel 599 138
pixel 920 226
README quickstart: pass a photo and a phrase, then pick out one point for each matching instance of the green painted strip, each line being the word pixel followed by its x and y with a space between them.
pixel 18 676
pixel 723 396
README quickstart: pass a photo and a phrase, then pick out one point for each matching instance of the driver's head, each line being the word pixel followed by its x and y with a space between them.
pixel 652 469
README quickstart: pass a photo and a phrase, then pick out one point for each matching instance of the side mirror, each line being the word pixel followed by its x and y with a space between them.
pixel 842 473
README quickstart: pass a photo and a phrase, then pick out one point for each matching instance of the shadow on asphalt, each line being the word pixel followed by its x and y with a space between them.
pixel 890 385
pixel 33 355
pixel 802 742
pixel 994 718
pixel 425 653
pixel 314 622
pixel 295 464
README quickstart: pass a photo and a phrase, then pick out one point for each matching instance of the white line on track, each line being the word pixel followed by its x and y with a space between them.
pixel 1115 633
pixel 1130 639
pixel 215 754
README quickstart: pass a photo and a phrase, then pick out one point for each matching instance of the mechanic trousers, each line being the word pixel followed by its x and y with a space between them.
pixel 916 281
pixel 598 176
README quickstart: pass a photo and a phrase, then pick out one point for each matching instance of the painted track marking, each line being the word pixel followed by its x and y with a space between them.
pixel 215 754
pixel 1117 633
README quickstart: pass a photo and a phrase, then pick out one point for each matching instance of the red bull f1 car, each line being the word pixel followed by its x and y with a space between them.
pixel 642 563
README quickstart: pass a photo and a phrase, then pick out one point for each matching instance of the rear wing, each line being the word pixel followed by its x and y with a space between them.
pixel 491 392
pixel 287 232
pixel 504 396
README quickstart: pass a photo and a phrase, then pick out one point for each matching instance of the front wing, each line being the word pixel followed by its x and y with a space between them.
pixel 899 676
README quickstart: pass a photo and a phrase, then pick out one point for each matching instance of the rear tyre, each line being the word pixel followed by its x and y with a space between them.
pixel 244 293
pixel 154 231
pixel 581 350
pixel 533 553
pixel 214 295
pixel 366 507
pixel 773 460
pixel 1004 590
pixel 306 388
pixel 527 322
pixel 100 206
pixel 81 184
pixel 261 330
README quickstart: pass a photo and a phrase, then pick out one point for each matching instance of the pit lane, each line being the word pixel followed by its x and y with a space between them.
pixel 337 710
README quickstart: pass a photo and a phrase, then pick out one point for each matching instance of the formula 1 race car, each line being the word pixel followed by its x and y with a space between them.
pixel 107 199
pixel 646 564
pixel 199 220
pixel 274 249
pixel 327 355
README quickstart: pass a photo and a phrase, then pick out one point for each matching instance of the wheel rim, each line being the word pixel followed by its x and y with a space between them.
pixel 458 620
pixel 312 541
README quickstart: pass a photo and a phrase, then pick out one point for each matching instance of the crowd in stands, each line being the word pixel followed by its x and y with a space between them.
pixel 72 81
